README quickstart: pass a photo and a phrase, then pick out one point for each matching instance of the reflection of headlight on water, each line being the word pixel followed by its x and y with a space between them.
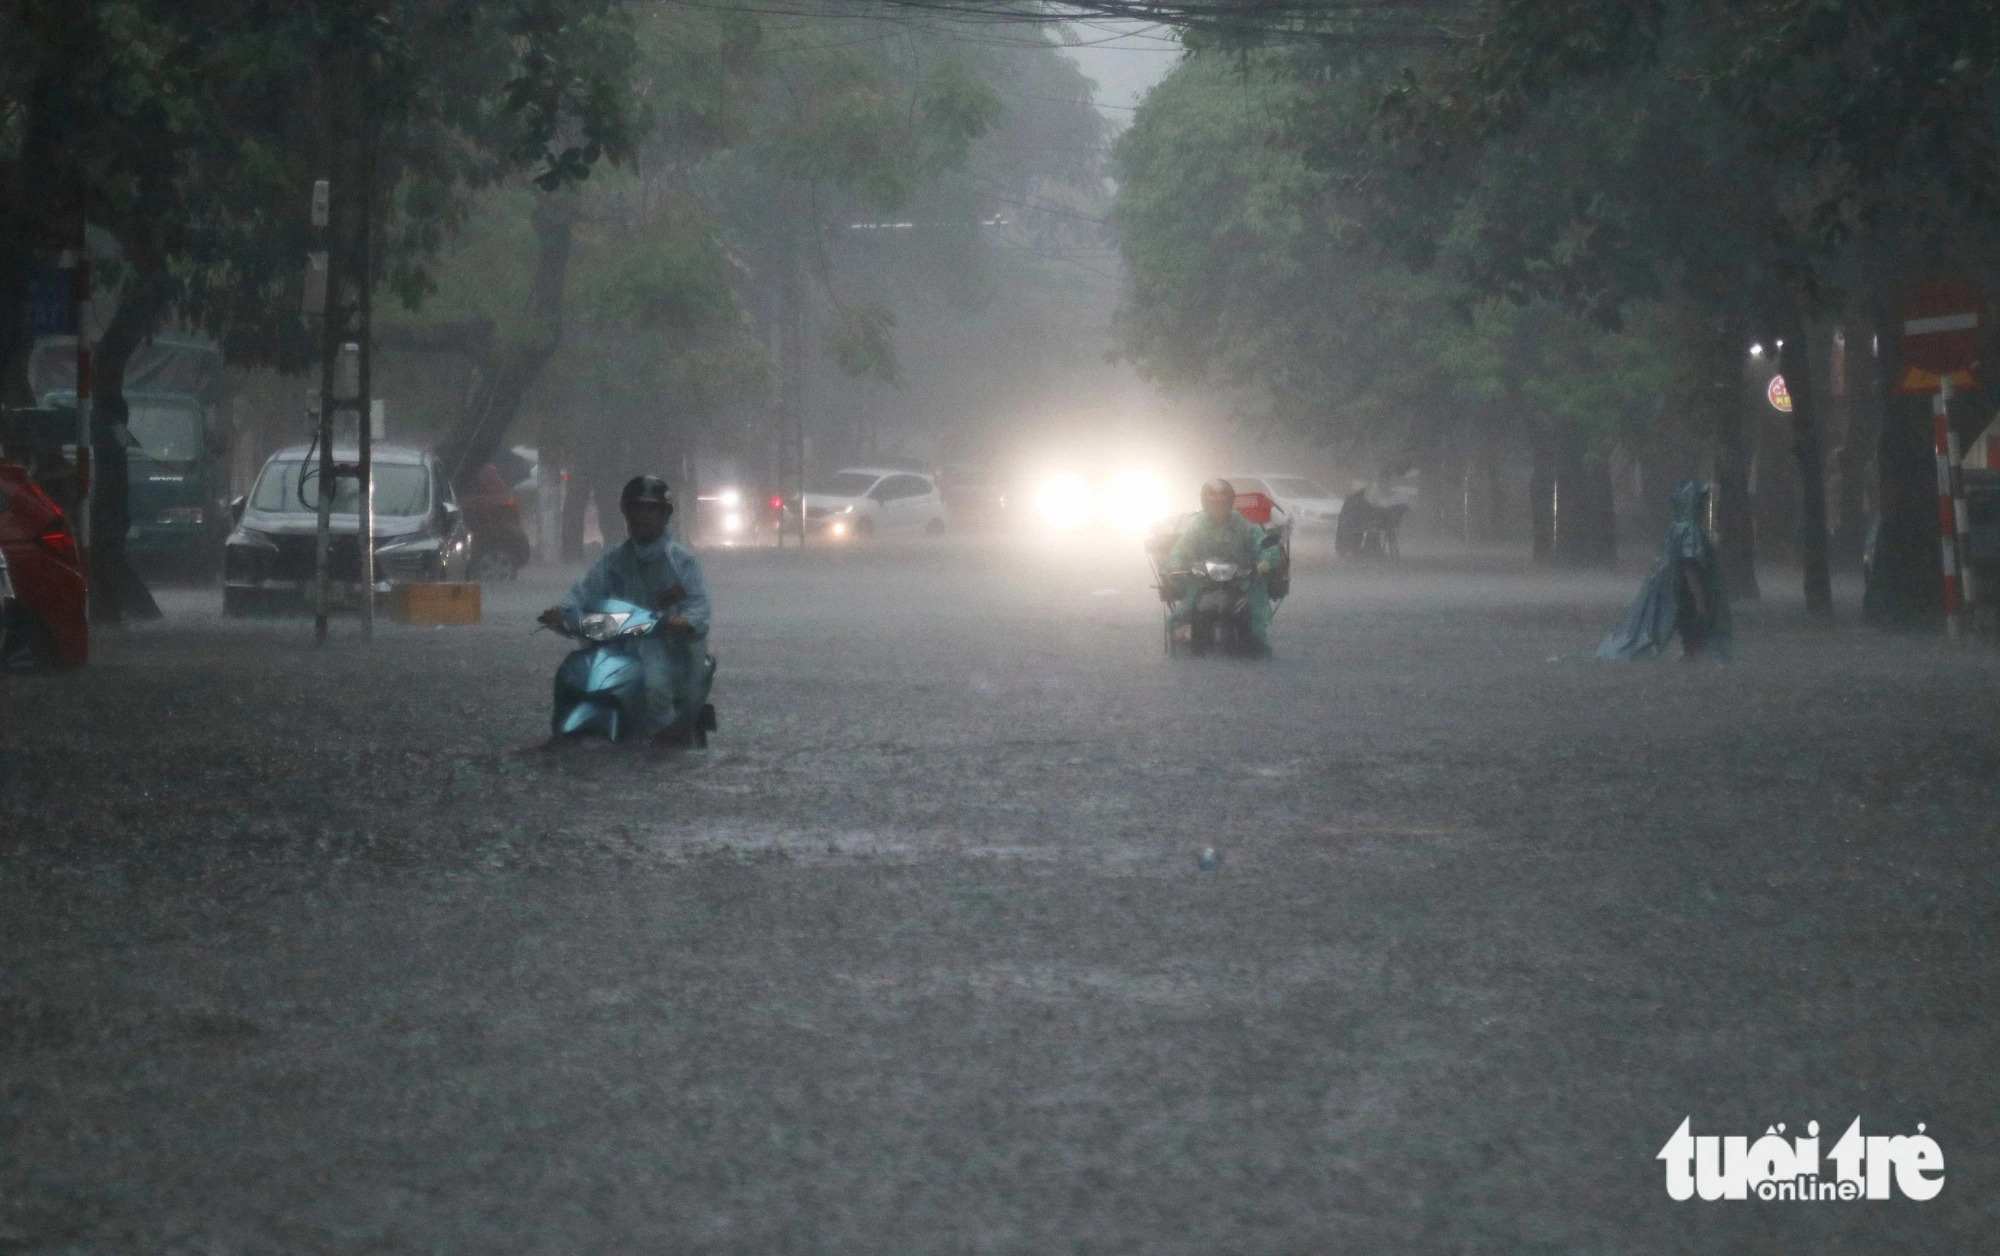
pixel 732 522
pixel 1133 500
pixel 1063 501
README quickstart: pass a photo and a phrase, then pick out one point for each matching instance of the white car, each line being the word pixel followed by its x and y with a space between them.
pixel 1312 506
pixel 873 501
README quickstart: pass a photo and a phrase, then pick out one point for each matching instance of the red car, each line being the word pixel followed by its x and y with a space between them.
pixel 44 616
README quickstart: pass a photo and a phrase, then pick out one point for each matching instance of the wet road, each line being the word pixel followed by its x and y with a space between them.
pixel 317 952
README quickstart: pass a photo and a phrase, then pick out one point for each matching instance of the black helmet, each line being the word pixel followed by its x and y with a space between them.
pixel 646 490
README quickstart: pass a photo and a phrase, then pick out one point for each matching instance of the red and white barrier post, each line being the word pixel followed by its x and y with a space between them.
pixel 1951 509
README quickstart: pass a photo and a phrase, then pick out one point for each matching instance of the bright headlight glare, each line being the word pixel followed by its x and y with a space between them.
pixel 1134 500
pixel 1063 501
pixel 732 523
pixel 731 498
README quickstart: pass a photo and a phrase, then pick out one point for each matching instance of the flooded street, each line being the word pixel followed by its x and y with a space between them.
pixel 324 952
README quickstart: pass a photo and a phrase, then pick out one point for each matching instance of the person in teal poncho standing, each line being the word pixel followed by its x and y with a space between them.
pixel 651 570
pixel 1683 595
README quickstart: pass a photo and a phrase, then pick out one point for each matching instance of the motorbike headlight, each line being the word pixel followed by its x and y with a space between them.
pixel 1220 571
pixel 603 625
pixel 731 498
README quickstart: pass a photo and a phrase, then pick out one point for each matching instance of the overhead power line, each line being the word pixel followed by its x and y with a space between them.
pixel 1342 21
pixel 1348 21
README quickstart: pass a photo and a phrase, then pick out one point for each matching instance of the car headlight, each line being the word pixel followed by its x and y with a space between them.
pixel 1063 501
pixel 407 543
pixel 248 556
pixel 1134 501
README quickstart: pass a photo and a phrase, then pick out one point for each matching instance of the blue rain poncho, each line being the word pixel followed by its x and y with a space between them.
pixel 675 664
pixel 1683 594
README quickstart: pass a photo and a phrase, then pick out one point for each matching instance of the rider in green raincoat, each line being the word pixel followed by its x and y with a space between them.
pixel 1219 534
pixel 651 570
pixel 1684 595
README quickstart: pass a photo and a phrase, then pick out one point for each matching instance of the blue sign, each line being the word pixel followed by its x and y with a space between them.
pixel 51 308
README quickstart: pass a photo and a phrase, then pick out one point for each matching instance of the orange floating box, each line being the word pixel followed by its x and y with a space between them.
pixel 434 603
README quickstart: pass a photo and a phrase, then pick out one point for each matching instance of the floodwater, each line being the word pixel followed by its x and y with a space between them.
pixel 320 951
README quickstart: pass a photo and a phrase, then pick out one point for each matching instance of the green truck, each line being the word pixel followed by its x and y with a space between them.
pixel 177 452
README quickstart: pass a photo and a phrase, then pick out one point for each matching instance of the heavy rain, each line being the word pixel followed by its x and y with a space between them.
pixel 1159 626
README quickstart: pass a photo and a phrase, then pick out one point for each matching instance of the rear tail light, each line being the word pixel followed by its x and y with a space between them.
pixel 56 540
pixel 777 503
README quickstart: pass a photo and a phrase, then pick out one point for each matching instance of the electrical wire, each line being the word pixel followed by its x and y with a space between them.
pixel 305 466
pixel 1346 21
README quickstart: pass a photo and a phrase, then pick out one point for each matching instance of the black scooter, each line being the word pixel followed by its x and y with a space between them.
pixel 1218 622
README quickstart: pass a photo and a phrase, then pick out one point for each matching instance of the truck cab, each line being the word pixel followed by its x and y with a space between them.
pixel 177 483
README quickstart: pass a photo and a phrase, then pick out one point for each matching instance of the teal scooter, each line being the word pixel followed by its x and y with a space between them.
pixel 600 688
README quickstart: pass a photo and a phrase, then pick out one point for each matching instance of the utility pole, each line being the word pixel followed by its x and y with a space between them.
pixel 798 446
pixel 79 307
pixel 364 404
pixel 79 310
pixel 343 207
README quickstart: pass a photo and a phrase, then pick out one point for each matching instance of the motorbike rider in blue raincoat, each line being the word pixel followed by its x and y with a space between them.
pixel 1220 534
pixel 651 570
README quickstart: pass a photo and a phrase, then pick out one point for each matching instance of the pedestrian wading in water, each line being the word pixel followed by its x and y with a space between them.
pixel 1683 595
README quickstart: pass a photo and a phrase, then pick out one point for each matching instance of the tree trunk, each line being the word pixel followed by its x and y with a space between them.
pixel 1584 525
pixel 1735 520
pixel 1492 482
pixel 1795 363
pixel 141 308
pixel 1905 587
pixel 1541 492
pixel 1851 416
pixel 1603 499
pixel 605 477
pixel 14 338
pixel 576 500
pixel 41 198
pixel 497 397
